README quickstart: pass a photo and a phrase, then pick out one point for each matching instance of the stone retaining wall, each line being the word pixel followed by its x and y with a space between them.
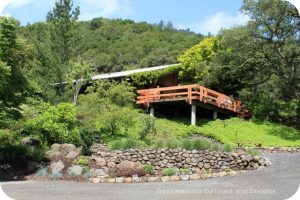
pixel 180 158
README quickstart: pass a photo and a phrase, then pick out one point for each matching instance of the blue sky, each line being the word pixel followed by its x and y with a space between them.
pixel 199 15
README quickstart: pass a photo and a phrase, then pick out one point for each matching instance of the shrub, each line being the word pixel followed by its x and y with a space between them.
pixel 82 161
pixel 159 143
pixel 149 169
pixel 252 152
pixel 7 137
pixel 42 171
pixel 187 144
pixel 56 175
pixel 148 126
pixel 227 148
pixel 170 171
pixel 215 147
pixel 116 144
pixel 56 124
pixel 87 141
pixel 184 171
pixel 85 169
pixel 201 145
pixel 172 143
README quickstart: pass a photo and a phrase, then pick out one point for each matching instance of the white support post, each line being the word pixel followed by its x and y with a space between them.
pixel 215 115
pixel 193 114
pixel 151 111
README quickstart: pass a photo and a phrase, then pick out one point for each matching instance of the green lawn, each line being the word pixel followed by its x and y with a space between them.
pixel 249 133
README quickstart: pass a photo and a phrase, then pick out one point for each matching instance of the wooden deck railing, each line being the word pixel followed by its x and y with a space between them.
pixel 188 93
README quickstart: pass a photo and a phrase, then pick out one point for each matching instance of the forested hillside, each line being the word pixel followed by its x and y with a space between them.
pixel 115 44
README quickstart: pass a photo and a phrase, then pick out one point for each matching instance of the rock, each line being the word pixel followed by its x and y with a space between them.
pixel 57 167
pixel 111 180
pixel 206 165
pixel 111 165
pixel 30 141
pixel 119 179
pixel 153 179
pixel 75 170
pixel 165 178
pixel 67 148
pixel 125 165
pixel 135 179
pixel 195 176
pixel 98 172
pixel 55 147
pixel 204 176
pixel 184 177
pixel 99 161
pixel 72 155
pixel 174 178
pixel 222 174
pixel 103 180
pixel 96 180
pixel 127 180
pixel 52 154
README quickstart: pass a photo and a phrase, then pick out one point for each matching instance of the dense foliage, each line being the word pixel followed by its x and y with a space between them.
pixel 46 66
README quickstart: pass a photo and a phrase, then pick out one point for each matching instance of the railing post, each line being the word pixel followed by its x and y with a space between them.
pixel 190 95
pixel 201 93
pixel 148 99
pixel 234 106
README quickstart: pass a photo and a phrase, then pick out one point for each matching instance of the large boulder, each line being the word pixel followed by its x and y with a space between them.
pixel 57 167
pixel 67 148
pixel 72 155
pixel 100 162
pixel 55 147
pixel 129 168
pixel 75 170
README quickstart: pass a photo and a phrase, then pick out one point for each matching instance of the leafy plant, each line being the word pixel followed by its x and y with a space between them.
pixel 227 148
pixel 82 161
pixel 172 143
pixel 187 144
pixel 252 152
pixel 149 168
pixel 56 176
pixel 184 171
pixel 170 171
pixel 42 171
pixel 201 144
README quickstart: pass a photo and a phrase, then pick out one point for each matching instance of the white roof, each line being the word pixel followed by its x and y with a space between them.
pixel 127 73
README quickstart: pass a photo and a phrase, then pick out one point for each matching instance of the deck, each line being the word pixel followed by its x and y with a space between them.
pixel 190 94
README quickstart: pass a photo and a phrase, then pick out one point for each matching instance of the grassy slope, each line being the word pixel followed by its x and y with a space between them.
pixel 235 130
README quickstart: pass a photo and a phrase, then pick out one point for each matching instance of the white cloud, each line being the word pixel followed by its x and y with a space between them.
pixel 214 23
pixel 13 3
pixel 104 8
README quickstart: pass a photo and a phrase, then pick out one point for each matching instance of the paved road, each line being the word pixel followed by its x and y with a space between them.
pixel 279 181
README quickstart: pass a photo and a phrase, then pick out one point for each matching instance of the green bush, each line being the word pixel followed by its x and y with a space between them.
pixel 56 124
pixel 149 168
pixel 184 171
pixel 227 148
pixel 187 144
pixel 116 144
pixel 87 138
pixel 215 147
pixel 200 144
pixel 56 175
pixel 42 171
pixel 7 137
pixel 172 143
pixel 252 152
pixel 148 123
pixel 170 171
pixel 159 143
pixel 82 161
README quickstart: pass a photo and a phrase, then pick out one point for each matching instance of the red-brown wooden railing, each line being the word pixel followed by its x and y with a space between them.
pixel 189 92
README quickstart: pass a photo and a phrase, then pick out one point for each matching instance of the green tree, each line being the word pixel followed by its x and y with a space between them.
pixel 63 26
pixel 195 61
pixel 13 85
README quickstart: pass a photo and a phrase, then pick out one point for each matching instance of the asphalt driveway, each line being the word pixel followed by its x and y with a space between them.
pixel 279 181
